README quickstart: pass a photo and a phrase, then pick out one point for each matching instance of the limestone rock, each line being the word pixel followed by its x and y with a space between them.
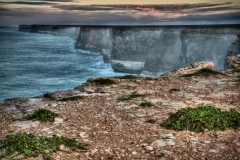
pixel 234 48
pixel 233 62
pixel 192 68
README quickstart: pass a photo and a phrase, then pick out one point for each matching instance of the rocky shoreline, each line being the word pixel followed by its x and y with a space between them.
pixel 118 129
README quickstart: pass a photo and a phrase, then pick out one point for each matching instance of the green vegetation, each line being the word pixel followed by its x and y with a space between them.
pixel 104 81
pixel 130 97
pixel 48 96
pixel 22 145
pixel 174 90
pixel 43 115
pixel 151 121
pixel 146 104
pixel 203 71
pixel 234 71
pixel 74 98
pixel 201 118
pixel 127 77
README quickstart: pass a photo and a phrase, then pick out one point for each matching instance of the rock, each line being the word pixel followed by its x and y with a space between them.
pixel 167 136
pixel 206 141
pixel 83 135
pixel 24 124
pixel 93 151
pixel 213 151
pixel 234 48
pixel 164 152
pixel 134 153
pixel 191 68
pixel 158 143
pixel 193 139
pixel 58 120
pixel 233 62
pixel 148 148
pixel 89 90
pixel 161 143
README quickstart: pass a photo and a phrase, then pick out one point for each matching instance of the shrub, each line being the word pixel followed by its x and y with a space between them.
pixel 28 145
pixel 74 98
pixel 234 71
pixel 146 104
pixel 203 71
pixel 201 118
pixel 43 115
pixel 130 97
pixel 174 90
pixel 127 77
pixel 48 96
pixel 104 81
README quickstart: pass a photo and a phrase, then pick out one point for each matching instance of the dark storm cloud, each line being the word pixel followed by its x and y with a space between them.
pixel 27 3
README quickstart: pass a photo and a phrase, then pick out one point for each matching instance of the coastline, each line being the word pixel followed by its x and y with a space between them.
pixel 118 130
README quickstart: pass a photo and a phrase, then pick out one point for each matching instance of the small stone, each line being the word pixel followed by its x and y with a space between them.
pixel 107 150
pixel 213 151
pixel 206 141
pixel 193 139
pixel 83 135
pixel 58 120
pixel 134 153
pixel 170 143
pixel 158 143
pixel 148 148
pixel 93 151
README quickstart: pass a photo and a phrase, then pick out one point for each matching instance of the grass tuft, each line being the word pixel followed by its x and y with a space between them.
pixel 234 71
pixel 104 81
pixel 25 145
pixel 43 115
pixel 48 96
pixel 130 97
pixel 74 98
pixel 201 118
pixel 174 90
pixel 203 71
pixel 146 104
pixel 127 77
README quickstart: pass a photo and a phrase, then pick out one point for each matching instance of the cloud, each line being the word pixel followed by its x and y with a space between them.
pixel 27 3
pixel 60 13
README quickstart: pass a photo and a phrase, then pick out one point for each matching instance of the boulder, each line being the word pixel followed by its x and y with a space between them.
pixel 191 68
pixel 233 62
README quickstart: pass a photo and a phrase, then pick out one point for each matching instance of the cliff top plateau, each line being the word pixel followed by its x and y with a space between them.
pixel 123 120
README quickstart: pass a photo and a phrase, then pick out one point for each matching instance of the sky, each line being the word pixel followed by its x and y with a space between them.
pixel 124 12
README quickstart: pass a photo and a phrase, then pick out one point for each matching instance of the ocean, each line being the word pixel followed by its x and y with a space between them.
pixel 32 64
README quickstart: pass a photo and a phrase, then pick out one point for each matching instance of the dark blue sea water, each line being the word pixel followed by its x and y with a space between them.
pixel 32 64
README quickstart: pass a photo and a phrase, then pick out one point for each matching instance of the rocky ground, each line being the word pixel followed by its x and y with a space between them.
pixel 118 130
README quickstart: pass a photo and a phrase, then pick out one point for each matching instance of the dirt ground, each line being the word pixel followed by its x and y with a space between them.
pixel 118 129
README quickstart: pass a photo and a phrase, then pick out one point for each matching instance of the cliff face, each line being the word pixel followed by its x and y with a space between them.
pixel 96 40
pixel 152 51
pixel 72 31
pixel 234 48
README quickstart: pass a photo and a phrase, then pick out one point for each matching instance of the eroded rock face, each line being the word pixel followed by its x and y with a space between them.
pixel 233 62
pixel 96 39
pixel 192 68
pixel 234 48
